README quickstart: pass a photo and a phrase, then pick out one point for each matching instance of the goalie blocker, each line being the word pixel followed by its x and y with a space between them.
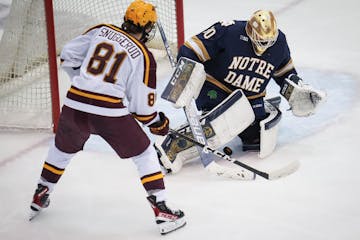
pixel 185 83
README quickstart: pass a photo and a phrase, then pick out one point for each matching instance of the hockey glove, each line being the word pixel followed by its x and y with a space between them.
pixel 302 98
pixel 160 127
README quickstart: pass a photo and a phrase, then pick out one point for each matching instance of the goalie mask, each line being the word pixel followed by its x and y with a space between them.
pixel 262 30
pixel 140 17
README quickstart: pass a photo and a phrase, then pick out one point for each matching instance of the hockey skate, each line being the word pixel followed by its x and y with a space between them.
pixel 167 220
pixel 40 200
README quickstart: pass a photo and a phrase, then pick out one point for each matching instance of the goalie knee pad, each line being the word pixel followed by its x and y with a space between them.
pixel 220 126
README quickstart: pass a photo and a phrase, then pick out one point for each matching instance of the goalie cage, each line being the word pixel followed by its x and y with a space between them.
pixel 35 32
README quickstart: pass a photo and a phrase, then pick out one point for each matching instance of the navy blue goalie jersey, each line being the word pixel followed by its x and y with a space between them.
pixel 231 63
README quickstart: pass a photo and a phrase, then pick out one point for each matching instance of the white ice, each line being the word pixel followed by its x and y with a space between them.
pixel 100 195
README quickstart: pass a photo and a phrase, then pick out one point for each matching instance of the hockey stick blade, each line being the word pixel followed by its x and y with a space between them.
pixel 207 157
pixel 234 173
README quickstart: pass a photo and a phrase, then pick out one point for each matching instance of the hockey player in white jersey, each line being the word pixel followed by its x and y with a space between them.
pixel 107 64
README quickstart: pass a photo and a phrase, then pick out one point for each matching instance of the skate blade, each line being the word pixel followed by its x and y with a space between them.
pixel 171 227
pixel 33 214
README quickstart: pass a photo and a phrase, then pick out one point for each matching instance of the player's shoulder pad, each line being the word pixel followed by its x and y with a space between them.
pixel 226 27
pixel 281 47
pixel 214 32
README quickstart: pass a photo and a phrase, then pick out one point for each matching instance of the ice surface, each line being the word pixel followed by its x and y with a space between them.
pixel 100 196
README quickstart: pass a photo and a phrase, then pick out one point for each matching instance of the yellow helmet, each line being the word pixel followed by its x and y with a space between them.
pixel 262 30
pixel 141 14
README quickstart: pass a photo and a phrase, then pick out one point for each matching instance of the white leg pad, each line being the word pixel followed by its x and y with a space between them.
pixel 223 124
pixel 268 130
pixel 230 118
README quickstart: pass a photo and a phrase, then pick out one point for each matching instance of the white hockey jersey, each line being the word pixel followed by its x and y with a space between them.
pixel 113 66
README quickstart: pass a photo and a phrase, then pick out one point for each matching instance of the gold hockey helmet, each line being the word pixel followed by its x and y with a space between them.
pixel 141 13
pixel 262 30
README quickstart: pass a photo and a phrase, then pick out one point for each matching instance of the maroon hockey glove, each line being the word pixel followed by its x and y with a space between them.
pixel 160 127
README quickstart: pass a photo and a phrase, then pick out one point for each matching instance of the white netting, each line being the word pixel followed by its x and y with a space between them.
pixel 25 100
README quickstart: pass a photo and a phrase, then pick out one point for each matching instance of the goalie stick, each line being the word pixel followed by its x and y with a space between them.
pixel 166 44
pixel 267 175
pixel 207 159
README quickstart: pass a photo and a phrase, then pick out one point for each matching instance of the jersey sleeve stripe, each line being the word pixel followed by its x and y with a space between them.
pixel 200 57
pixel 288 67
pixel 198 48
pixel 145 118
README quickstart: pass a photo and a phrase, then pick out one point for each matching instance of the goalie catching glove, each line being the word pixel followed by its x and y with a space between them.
pixel 303 99
pixel 160 127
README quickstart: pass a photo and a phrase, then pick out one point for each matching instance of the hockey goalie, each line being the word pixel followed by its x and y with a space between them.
pixel 234 117
pixel 239 59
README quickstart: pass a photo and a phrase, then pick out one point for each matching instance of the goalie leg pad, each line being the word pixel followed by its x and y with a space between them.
pixel 229 118
pixel 164 155
pixel 176 151
pixel 269 129
pixel 220 126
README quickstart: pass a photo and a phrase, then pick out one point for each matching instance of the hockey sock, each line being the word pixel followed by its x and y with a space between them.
pixel 54 166
pixel 150 172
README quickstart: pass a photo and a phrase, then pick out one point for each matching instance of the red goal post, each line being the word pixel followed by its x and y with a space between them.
pixel 34 34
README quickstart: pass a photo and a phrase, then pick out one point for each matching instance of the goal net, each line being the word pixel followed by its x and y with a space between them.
pixel 25 90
